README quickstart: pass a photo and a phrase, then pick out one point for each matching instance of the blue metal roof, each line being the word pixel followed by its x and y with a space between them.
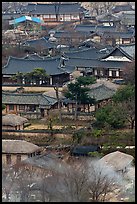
pixel 25 18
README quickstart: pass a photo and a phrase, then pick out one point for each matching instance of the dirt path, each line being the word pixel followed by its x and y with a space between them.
pixel 40 126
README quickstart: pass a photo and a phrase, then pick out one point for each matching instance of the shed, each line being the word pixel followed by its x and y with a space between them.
pixel 14 151
pixel 13 121
pixel 84 150
pixel 118 160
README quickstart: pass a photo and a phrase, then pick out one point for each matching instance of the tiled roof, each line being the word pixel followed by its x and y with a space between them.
pixel 119 8
pixel 50 8
pixel 101 92
pixel 94 28
pixel 129 49
pixel 117 34
pixel 41 43
pixel 27 98
pixel 51 66
pixel 125 50
pixel 107 17
pixel 95 63
pixel 89 53
pixel 33 57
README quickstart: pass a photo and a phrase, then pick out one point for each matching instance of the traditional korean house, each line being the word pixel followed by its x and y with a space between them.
pixel 102 94
pixel 96 63
pixel 116 37
pixel 40 45
pixel 55 68
pixel 55 13
pixel 13 121
pixel 84 150
pixel 108 19
pixel 29 105
pixel 15 151
pixel 117 160
pixel 124 7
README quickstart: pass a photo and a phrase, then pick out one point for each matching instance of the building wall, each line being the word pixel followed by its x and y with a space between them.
pixel 18 127
pixel 13 159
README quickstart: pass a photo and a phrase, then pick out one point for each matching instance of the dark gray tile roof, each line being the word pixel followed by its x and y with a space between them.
pixel 118 34
pixel 94 28
pixel 39 43
pixel 89 53
pixel 119 8
pixel 107 17
pixel 33 57
pixel 27 98
pixel 68 34
pixel 101 92
pixel 51 66
pixel 123 50
pixel 50 8
pixel 129 49
pixel 84 150
pixel 95 63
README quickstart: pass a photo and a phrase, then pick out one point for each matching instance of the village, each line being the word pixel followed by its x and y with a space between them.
pixel 68 102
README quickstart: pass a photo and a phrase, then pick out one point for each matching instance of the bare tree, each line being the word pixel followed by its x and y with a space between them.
pixel 56 88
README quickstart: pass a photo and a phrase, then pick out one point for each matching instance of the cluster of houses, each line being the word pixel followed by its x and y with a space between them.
pixel 105 46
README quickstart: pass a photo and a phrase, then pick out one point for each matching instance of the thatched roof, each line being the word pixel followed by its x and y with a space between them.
pixel 18 147
pixel 117 160
pixel 13 120
pixel 53 94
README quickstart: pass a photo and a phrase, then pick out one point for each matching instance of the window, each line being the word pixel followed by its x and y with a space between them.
pixel 11 107
pixel 21 107
pixel 110 73
pixel 8 159
pixel 18 158
pixel 117 73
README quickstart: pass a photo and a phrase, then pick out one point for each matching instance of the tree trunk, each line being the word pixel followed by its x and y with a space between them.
pixel 76 107
pixel 132 124
pixel 58 99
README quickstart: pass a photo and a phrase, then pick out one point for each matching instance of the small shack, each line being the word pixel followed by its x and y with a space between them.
pixel 14 151
pixel 13 122
pixel 84 150
pixel 119 161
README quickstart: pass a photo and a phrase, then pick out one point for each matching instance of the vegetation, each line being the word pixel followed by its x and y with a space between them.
pixel 3 106
pixel 78 92
pixel 37 76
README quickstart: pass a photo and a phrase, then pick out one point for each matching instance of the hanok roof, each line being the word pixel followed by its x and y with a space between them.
pixel 129 49
pixel 84 150
pixel 107 17
pixel 67 8
pixel 89 53
pixel 51 66
pixel 18 147
pixel 94 28
pixel 101 92
pixel 128 18
pixel 118 160
pixel 13 120
pixel 125 51
pixel 95 63
pixel 41 43
pixel 33 57
pixel 117 34
pixel 119 8
pixel 27 98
